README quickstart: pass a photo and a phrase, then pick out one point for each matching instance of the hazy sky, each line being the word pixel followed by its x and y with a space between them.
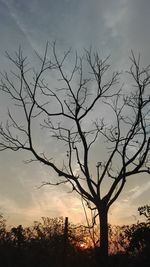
pixel 111 26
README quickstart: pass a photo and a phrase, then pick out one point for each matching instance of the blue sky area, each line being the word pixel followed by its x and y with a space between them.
pixel 111 27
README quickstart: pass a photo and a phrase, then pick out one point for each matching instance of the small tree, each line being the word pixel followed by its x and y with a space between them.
pixel 86 110
pixel 145 210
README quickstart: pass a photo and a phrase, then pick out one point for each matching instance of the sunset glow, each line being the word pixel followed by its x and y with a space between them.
pixel 111 28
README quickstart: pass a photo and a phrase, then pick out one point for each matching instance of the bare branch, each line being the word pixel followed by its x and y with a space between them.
pixel 84 108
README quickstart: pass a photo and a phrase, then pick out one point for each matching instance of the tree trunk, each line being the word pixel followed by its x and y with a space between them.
pixel 102 252
pixel 64 259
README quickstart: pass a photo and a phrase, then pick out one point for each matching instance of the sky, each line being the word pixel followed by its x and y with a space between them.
pixel 111 27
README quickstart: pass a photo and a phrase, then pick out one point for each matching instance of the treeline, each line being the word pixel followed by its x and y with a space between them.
pixel 46 243
pixel 43 244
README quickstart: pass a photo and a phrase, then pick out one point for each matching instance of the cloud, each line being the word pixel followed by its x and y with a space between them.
pixel 115 17
pixel 19 22
pixel 28 203
pixel 124 210
pixel 112 27
pixel 137 191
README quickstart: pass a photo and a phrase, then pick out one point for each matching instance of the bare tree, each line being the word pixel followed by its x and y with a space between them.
pixel 83 110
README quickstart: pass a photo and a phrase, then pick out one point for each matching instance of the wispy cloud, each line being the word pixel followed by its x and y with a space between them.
pixel 114 27
pixel 19 22
pixel 137 191
pixel 124 210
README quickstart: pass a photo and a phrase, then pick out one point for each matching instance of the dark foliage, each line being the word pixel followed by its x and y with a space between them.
pixel 42 245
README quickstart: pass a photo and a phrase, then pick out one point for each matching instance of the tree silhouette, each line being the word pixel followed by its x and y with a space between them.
pixel 42 244
pixel 84 110
pixel 145 210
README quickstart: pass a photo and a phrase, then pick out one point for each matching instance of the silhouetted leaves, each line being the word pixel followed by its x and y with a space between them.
pixel 41 245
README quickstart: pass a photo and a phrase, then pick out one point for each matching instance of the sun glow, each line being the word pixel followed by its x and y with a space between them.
pixel 82 246
pixel 85 244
